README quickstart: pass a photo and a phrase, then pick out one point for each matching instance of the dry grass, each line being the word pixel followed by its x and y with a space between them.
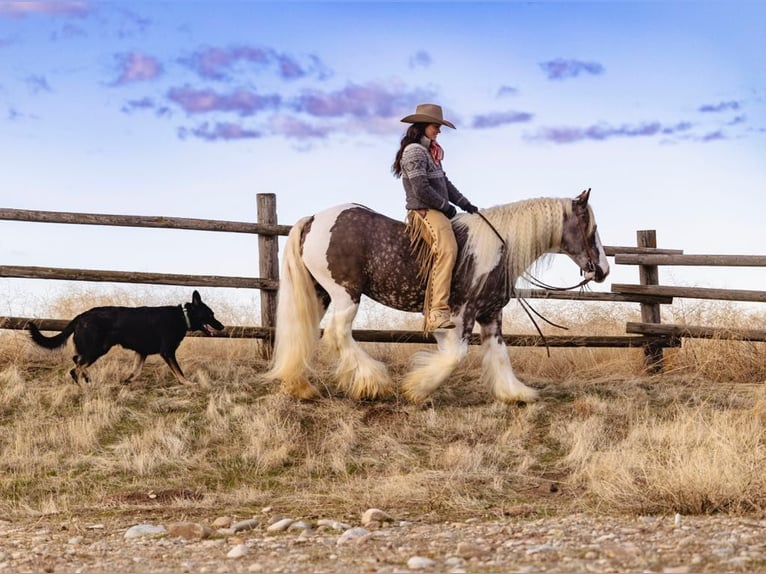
pixel 605 437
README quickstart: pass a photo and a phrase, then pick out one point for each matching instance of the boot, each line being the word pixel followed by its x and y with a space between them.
pixel 439 321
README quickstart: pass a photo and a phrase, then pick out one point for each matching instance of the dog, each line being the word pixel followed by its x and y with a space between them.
pixel 145 330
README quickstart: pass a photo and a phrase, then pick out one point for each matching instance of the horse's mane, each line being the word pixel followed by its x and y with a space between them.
pixel 531 228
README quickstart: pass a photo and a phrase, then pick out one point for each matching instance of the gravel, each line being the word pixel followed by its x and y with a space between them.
pixel 572 543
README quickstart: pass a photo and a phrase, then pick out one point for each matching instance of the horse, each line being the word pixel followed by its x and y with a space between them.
pixel 344 252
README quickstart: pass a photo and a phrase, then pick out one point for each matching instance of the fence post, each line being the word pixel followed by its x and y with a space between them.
pixel 650 312
pixel 268 259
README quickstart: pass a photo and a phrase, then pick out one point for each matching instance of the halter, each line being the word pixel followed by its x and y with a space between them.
pixel 590 266
pixel 528 309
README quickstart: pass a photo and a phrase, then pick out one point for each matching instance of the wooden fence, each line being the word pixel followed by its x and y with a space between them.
pixel 650 334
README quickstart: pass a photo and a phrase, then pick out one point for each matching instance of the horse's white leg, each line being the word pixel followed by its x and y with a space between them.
pixel 496 368
pixel 431 368
pixel 357 373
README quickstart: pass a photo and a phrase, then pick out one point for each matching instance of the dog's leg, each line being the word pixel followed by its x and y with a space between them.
pixel 79 372
pixel 170 359
pixel 137 366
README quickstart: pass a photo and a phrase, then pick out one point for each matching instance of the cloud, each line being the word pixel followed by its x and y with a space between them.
pixel 602 132
pixel 241 101
pixel 220 131
pixel 37 84
pixel 145 104
pixel 506 91
pixel 713 136
pixel 291 127
pixel 15 115
pixel 137 67
pixel 358 101
pixel 46 8
pixel 420 59
pixel 214 63
pixel 500 119
pixel 131 24
pixel 719 107
pixel 740 119
pixel 560 69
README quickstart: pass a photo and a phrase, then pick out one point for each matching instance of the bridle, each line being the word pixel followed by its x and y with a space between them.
pixel 590 267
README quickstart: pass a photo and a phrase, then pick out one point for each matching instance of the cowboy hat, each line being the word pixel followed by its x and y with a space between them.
pixel 429 114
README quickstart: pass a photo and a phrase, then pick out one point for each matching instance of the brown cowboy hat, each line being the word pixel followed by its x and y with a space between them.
pixel 428 113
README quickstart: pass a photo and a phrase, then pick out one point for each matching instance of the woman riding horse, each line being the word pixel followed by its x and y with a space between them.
pixel 429 199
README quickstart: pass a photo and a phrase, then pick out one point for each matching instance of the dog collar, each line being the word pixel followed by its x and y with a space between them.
pixel 186 316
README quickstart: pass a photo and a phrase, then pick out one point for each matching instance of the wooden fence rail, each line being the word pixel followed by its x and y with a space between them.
pixel 649 334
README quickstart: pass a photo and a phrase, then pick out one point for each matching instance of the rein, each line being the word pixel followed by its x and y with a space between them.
pixel 528 309
pixel 492 227
pixel 591 266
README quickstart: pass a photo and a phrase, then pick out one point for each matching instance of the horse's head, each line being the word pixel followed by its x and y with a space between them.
pixel 581 242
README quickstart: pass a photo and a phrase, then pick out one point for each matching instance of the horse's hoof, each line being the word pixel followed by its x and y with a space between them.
pixel 301 389
pixel 414 396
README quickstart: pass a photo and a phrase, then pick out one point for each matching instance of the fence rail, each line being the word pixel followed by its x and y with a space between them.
pixel 649 334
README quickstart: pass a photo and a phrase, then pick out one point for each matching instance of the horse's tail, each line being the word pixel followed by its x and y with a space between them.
pixel 298 314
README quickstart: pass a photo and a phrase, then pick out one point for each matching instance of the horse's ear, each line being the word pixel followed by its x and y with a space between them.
pixel 196 298
pixel 583 197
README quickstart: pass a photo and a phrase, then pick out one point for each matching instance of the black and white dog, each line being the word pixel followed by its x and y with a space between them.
pixel 145 330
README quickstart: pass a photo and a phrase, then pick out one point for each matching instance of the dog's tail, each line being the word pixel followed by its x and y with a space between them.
pixel 298 314
pixel 50 342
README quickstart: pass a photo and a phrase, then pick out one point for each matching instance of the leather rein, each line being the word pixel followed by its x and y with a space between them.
pixel 528 309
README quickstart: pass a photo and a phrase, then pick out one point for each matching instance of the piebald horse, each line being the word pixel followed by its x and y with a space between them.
pixel 348 251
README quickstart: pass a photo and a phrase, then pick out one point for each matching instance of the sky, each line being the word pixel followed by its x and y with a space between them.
pixel 191 108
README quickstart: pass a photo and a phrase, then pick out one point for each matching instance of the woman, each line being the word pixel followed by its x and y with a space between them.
pixel 429 199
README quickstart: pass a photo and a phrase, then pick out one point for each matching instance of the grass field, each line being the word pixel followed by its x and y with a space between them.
pixel 605 437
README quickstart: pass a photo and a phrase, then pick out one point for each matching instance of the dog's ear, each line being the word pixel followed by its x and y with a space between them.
pixel 196 299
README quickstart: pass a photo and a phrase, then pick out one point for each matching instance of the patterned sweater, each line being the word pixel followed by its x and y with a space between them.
pixel 425 184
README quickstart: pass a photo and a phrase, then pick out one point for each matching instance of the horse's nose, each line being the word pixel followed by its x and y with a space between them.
pixel 600 274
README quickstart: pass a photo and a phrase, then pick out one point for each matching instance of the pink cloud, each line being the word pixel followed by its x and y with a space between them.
pixel 137 67
pixel 30 8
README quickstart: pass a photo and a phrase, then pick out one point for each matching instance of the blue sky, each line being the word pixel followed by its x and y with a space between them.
pixel 190 108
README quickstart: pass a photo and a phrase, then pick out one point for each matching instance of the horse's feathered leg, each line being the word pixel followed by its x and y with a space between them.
pixel 299 311
pixel 430 369
pixel 361 376
pixel 496 368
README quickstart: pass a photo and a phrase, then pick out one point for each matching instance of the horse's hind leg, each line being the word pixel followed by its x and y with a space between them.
pixel 496 370
pixel 357 373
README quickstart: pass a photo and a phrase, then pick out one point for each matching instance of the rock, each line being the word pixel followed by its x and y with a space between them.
pixel 223 522
pixel 420 563
pixel 357 534
pixel 375 515
pixel 299 525
pixel 189 530
pixel 245 525
pixel 471 550
pixel 237 551
pixel 280 525
pixel 333 524
pixel 140 530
